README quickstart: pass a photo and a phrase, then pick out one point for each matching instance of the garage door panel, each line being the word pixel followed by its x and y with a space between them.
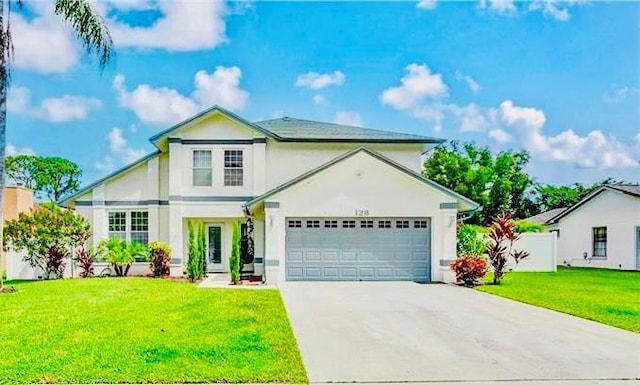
pixel 375 249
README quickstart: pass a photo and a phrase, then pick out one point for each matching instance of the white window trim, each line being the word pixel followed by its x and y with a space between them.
pixel 224 167
pixel 193 182
pixel 127 221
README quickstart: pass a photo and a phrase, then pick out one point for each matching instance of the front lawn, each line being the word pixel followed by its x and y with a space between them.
pixel 608 296
pixel 144 330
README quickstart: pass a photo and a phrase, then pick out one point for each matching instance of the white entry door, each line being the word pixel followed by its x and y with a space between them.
pixel 214 248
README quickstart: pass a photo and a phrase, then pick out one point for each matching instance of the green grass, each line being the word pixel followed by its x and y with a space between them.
pixel 144 330
pixel 610 297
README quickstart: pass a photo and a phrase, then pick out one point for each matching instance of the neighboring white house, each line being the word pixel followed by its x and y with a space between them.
pixel 326 201
pixel 602 230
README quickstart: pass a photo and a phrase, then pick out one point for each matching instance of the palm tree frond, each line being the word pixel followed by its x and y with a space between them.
pixel 90 27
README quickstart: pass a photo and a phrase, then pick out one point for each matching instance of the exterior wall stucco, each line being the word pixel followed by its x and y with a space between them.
pixel 620 213
pixel 360 183
pixel 287 160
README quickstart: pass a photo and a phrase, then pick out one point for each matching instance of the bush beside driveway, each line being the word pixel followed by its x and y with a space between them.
pixel 611 297
pixel 144 330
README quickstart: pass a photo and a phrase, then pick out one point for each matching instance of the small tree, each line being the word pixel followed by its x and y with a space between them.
pixel 159 258
pixel 49 235
pixel 503 235
pixel 121 254
pixel 234 258
pixel 197 249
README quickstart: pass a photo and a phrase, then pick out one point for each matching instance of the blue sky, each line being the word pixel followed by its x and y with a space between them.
pixel 559 79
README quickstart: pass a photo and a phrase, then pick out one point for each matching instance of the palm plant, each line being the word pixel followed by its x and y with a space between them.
pixel 122 254
pixel 92 32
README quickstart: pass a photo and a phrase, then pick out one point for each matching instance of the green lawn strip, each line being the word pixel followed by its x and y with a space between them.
pixel 610 297
pixel 144 330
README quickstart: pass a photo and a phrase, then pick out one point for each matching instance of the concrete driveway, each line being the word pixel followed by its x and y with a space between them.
pixel 402 331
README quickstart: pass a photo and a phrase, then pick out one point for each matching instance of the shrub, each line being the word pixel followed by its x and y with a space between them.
pixel 159 258
pixel 502 235
pixel 469 269
pixel 234 259
pixel 523 226
pixel 84 259
pixel 472 240
pixel 121 254
pixel 196 264
pixel 48 235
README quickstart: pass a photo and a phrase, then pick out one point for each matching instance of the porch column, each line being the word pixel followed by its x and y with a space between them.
pixel 176 229
pixel 274 243
pixel 153 196
pixel 449 218
pixel 99 225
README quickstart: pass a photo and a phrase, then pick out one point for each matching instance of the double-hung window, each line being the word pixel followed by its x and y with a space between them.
pixel 202 168
pixel 600 242
pixel 233 171
pixel 129 225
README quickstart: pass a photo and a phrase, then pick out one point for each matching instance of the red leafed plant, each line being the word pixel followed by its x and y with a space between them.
pixel 469 269
pixel 502 236
pixel 84 259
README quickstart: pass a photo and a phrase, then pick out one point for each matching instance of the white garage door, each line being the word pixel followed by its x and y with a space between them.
pixel 357 249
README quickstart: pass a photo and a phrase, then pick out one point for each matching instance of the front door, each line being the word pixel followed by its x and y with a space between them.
pixel 214 248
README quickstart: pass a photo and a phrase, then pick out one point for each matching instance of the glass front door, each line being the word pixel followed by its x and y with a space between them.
pixel 214 248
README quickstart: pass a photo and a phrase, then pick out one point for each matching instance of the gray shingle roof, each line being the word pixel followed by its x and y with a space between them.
pixel 632 189
pixel 546 216
pixel 299 129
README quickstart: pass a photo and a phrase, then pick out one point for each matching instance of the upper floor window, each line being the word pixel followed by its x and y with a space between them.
pixel 600 242
pixel 233 172
pixel 202 173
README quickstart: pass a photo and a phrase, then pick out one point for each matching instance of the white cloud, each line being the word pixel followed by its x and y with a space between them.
pixel 318 81
pixel 349 118
pixel 319 99
pixel 471 82
pixel 418 84
pixel 183 26
pixel 472 118
pixel 61 109
pixel 67 108
pixel 500 135
pixel 593 150
pixel 616 94
pixel 550 9
pixel 427 4
pixel 165 105
pixel 499 6
pixel 120 152
pixel 61 51
pixel 12 150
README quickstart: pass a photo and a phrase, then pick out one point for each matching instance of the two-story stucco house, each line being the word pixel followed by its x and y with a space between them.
pixel 326 201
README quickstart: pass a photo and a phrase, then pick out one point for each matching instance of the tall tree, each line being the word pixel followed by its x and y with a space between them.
pixel 50 177
pixel 92 32
pixel 497 182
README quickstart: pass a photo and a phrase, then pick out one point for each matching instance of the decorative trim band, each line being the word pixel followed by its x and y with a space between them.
pixel 272 262
pixel 180 198
pixel 176 261
pixel 174 140
pixel 271 205
pixel 258 260
pixel 445 262
pixel 122 203
pixel 448 205
pixel 217 141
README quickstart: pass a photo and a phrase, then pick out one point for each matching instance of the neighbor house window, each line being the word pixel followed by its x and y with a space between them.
pixel 131 226
pixel 118 224
pixel 599 241
pixel 202 173
pixel 140 227
pixel 233 173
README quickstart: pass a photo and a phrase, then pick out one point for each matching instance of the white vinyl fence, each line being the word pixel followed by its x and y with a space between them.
pixel 543 249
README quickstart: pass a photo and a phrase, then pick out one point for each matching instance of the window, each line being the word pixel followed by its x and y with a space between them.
pixel 402 224
pixel 348 224
pixel 140 227
pixel 313 223
pixel 233 173
pixel 600 242
pixel 331 224
pixel 295 223
pixel 118 224
pixel 384 224
pixel 420 224
pixel 366 224
pixel 132 226
pixel 202 173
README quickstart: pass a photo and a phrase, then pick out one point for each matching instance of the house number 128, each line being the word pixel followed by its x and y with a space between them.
pixel 362 213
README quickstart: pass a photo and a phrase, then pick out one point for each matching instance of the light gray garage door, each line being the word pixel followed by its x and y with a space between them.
pixel 357 249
